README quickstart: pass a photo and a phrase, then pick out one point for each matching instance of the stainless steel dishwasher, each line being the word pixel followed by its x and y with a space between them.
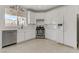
pixel 9 37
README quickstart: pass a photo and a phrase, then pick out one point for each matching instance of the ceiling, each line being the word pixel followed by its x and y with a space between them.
pixel 39 7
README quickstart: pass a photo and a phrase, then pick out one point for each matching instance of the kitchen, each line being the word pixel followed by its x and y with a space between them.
pixel 27 22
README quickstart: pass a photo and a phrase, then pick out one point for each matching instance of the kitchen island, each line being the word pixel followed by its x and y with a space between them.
pixel 8 36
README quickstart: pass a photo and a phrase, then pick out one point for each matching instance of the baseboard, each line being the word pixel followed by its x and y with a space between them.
pixel 8 45
pixel 25 41
pixel 62 43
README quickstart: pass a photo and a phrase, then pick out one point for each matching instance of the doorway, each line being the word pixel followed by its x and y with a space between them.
pixel 77 30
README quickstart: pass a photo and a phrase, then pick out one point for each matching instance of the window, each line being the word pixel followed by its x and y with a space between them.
pixel 10 20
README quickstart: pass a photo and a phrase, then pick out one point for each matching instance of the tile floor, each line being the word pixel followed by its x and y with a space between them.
pixel 38 46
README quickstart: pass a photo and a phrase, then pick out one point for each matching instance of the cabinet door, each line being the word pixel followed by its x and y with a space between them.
pixel 20 36
pixel 60 29
pixel 32 20
pixel 60 38
pixel 27 35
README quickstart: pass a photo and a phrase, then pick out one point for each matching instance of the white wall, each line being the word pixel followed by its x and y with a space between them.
pixel 2 15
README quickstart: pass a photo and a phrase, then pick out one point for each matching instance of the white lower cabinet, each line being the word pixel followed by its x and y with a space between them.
pixel 60 38
pixel 23 35
pixel 20 36
pixel 29 34
pixel 51 34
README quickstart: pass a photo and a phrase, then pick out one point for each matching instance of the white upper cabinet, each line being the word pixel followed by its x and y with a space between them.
pixel 21 17
pixel 51 18
pixel 31 18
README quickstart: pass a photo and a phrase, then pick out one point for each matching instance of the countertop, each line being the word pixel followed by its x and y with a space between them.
pixel 7 28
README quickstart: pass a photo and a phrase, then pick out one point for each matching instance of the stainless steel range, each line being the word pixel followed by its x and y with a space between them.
pixel 40 32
